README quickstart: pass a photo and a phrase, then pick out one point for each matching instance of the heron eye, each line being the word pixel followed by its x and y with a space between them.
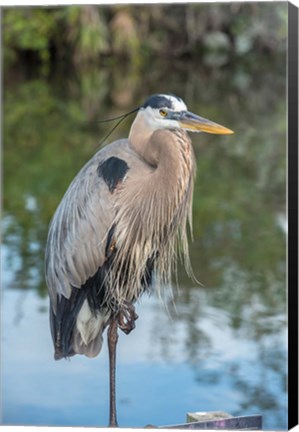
pixel 163 112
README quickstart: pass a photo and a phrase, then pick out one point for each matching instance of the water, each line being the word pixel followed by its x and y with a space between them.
pixel 223 345
pixel 158 382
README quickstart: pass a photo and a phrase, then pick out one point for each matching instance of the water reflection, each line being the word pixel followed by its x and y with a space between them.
pixel 223 347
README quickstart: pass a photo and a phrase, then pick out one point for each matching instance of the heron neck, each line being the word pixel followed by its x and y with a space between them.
pixel 162 149
pixel 164 153
pixel 139 136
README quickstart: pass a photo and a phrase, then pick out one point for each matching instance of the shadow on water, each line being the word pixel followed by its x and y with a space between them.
pixel 229 334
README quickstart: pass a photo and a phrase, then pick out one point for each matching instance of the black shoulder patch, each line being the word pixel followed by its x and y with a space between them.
pixel 112 170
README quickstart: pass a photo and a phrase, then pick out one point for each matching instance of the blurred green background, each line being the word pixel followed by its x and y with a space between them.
pixel 65 68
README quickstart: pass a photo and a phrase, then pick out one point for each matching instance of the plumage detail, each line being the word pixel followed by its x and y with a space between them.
pixel 160 228
pixel 106 243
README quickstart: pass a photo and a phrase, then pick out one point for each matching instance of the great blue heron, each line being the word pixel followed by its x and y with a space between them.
pixel 122 219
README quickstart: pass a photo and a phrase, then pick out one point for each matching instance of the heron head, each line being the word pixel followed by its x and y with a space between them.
pixel 167 111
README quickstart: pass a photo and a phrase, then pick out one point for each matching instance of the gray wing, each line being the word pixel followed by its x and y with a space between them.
pixel 78 231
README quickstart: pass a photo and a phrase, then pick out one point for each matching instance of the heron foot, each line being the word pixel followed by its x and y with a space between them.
pixel 126 317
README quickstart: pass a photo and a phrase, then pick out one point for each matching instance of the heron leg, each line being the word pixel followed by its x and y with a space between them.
pixel 112 342
pixel 126 317
pixel 125 320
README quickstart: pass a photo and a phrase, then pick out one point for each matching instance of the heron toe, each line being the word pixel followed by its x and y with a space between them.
pixel 127 317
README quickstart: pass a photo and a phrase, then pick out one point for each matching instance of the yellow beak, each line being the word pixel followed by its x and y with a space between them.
pixel 195 123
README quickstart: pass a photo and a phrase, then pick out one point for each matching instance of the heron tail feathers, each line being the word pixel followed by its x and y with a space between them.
pixel 80 335
pixel 87 336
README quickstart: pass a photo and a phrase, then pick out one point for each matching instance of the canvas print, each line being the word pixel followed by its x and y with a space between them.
pixel 144 215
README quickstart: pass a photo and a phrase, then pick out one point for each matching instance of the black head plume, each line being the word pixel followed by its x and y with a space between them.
pixel 120 118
